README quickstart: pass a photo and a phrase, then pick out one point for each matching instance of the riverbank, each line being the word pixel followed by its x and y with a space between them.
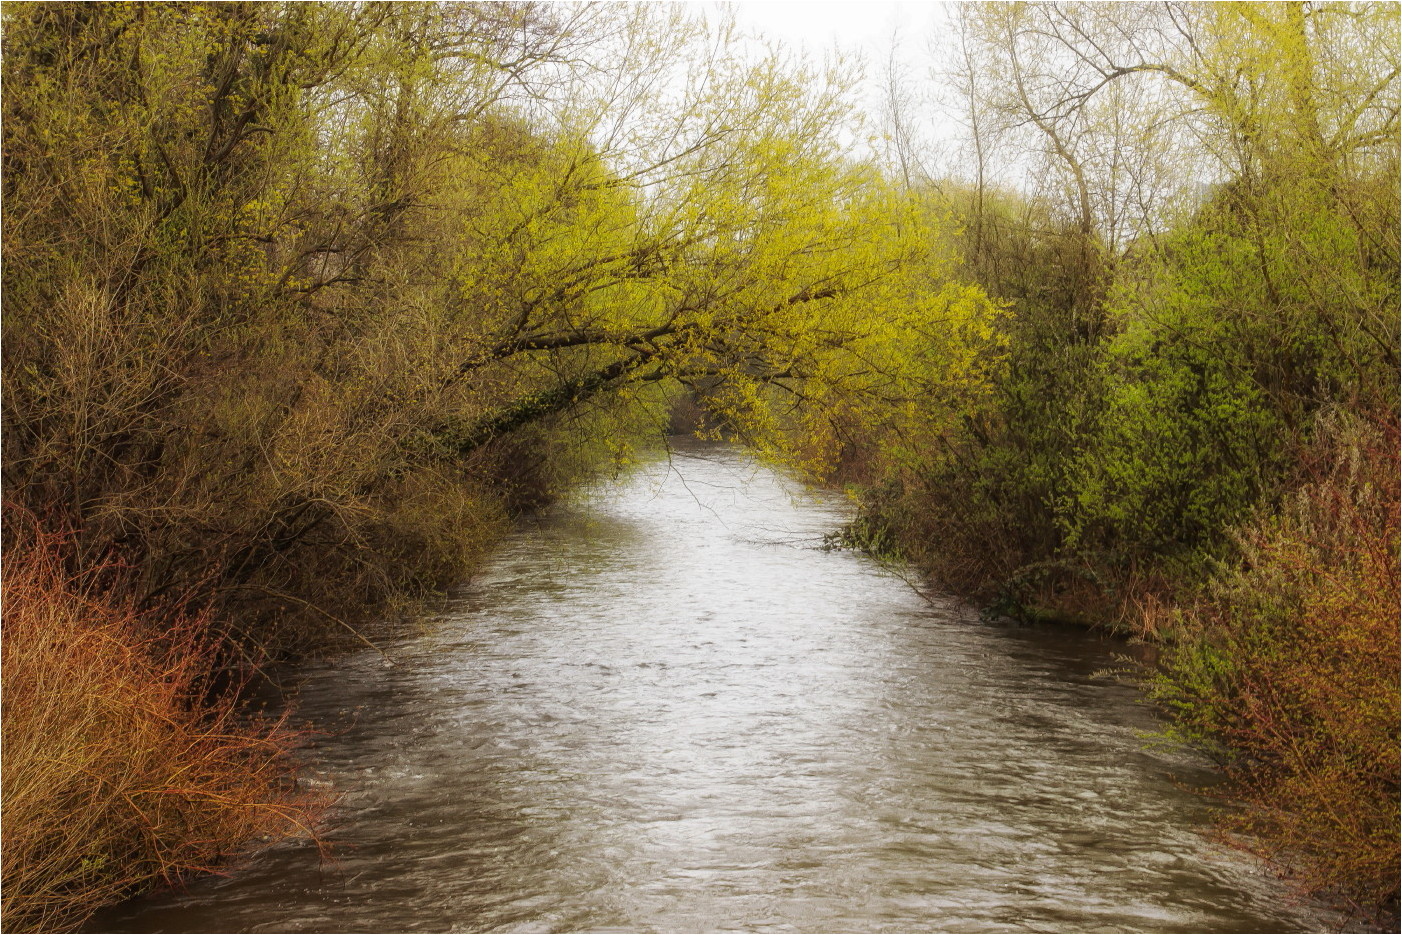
pixel 1278 660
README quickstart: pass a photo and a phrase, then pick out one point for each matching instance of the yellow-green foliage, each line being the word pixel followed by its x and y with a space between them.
pixel 283 282
pixel 886 366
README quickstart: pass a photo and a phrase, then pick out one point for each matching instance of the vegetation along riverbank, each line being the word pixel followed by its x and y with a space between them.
pixel 303 302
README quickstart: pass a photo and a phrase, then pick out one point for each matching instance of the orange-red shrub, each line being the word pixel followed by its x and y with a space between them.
pixel 119 772
pixel 1290 666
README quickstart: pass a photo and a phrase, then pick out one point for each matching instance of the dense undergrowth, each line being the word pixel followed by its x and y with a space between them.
pixel 1286 665
pixel 124 765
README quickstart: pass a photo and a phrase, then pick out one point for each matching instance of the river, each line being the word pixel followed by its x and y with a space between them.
pixel 665 706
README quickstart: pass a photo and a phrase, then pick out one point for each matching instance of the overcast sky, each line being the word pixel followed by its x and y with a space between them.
pixel 860 26
pixel 870 29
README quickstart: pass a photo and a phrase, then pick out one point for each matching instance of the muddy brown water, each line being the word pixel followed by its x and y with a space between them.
pixel 666 707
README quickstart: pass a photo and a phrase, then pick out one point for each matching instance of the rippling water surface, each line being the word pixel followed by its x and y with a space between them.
pixel 664 707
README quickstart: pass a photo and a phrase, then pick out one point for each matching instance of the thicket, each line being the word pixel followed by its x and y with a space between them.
pixel 123 767
pixel 1189 430
pixel 1285 666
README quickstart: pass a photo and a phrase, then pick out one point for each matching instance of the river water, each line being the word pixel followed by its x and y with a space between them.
pixel 666 707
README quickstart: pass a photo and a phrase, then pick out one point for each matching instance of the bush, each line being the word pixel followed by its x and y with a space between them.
pixel 1288 666
pixel 119 771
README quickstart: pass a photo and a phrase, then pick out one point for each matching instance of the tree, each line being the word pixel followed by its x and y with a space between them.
pixel 298 295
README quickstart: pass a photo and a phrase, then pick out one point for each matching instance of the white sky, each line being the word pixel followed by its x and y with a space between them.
pixel 861 26
pixel 867 29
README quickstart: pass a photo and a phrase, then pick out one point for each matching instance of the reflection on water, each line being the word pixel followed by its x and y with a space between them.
pixel 666 708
